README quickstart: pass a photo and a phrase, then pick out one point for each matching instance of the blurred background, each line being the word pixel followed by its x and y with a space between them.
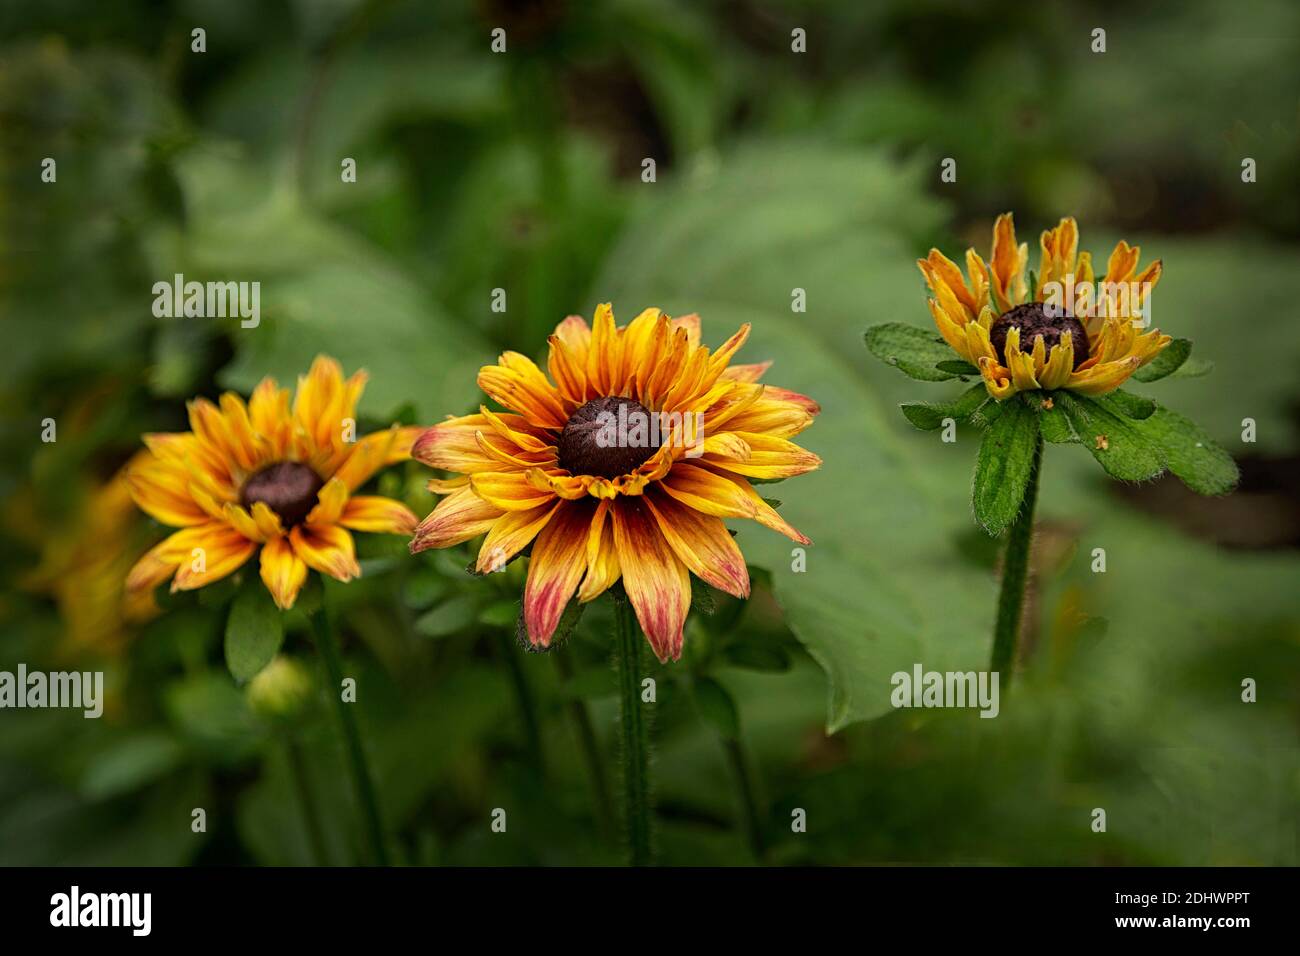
pixel 774 171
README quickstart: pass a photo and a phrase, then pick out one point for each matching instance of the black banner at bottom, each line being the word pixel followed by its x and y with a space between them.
pixel 335 906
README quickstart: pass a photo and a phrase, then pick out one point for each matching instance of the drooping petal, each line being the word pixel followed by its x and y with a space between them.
pixel 212 556
pixel 510 534
pixel 558 560
pixel 283 572
pixel 656 581
pixel 602 556
pixel 328 549
pixel 761 511
pixel 769 457
pixel 708 492
pixel 703 544
pixel 458 517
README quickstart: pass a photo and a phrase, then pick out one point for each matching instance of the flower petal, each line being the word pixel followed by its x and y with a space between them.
pixel 330 502
pixel 328 549
pixel 657 583
pixel 703 544
pixel 283 572
pixel 458 517
pixel 558 560
pixel 212 556
pixel 378 515
pixel 510 534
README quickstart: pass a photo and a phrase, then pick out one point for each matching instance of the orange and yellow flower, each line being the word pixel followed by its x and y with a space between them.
pixel 267 475
pixel 594 514
pixel 984 315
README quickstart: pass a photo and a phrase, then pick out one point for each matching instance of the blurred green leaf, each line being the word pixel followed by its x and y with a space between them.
pixel 254 632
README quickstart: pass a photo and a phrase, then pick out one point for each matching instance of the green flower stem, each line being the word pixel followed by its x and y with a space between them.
pixel 634 735
pixel 581 717
pixel 525 699
pixel 307 799
pixel 328 645
pixel 750 818
pixel 1015 572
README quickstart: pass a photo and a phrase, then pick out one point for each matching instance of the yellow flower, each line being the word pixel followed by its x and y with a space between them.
pixel 567 466
pixel 1023 339
pixel 265 475
pixel 84 571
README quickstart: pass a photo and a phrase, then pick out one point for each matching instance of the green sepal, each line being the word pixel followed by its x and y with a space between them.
pixel 1127 404
pixel 1053 423
pixel 1170 360
pixel 1119 444
pixel 1193 368
pixel 957 367
pixel 912 350
pixel 928 416
pixel 1002 468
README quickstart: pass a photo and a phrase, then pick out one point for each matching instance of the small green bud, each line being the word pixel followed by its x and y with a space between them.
pixel 281 691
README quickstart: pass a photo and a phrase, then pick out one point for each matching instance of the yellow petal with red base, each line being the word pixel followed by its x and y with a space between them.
pixel 559 559
pixel 656 581
pixel 703 544
pixel 456 518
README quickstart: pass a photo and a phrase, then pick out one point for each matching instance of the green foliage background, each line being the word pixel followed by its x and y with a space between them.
pixel 775 171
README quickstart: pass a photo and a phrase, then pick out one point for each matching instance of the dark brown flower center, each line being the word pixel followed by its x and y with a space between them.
pixel 608 437
pixel 1032 320
pixel 288 488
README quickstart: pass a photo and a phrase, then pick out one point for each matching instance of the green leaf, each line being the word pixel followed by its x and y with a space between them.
pixel 1053 424
pixel 957 367
pixel 315 280
pixel 1002 469
pixel 1127 404
pixel 716 707
pixel 1118 444
pixel 1166 363
pixel 452 616
pixel 928 416
pixel 1191 454
pixel 913 351
pixel 254 632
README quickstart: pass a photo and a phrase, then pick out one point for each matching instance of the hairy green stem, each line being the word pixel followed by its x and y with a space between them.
pixel 1015 573
pixel 634 735
pixel 328 645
